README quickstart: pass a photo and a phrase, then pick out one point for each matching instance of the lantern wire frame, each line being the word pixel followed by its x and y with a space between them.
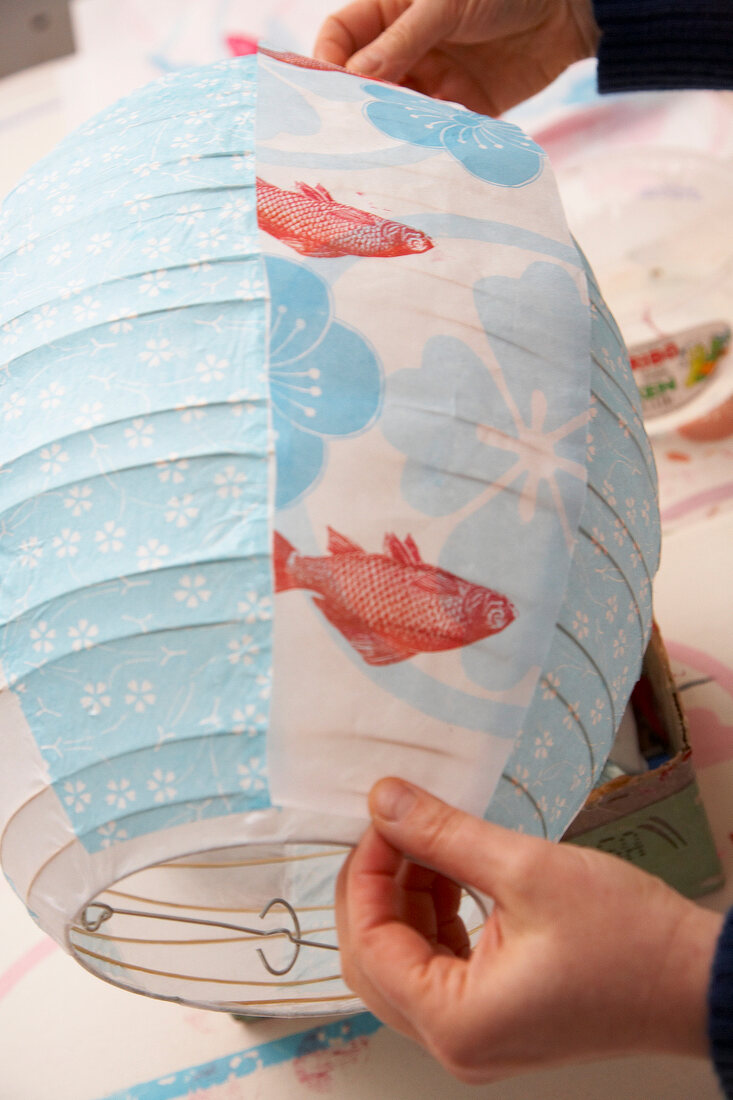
pixel 108 938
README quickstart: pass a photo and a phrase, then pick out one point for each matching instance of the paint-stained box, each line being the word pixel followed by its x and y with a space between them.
pixel 657 819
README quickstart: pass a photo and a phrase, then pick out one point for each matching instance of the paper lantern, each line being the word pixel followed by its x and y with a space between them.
pixel 354 487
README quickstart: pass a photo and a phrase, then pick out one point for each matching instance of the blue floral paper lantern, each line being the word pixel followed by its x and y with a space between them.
pixel 321 460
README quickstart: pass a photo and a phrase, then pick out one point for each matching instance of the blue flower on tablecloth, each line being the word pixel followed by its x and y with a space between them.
pixel 491 149
pixel 325 380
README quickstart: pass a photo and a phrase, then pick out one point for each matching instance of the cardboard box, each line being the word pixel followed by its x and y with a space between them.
pixel 656 819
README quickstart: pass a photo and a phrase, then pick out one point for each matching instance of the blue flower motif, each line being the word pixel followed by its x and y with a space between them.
pixel 470 432
pixel 500 440
pixel 325 380
pixel 491 149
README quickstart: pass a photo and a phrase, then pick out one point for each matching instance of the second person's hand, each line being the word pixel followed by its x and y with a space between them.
pixel 486 54
pixel 583 955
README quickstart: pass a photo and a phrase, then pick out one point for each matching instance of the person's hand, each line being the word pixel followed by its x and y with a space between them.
pixel 486 54
pixel 583 954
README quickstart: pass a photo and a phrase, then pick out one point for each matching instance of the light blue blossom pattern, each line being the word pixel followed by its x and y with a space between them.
pixel 472 431
pixel 491 149
pixel 606 618
pixel 135 592
pixel 325 380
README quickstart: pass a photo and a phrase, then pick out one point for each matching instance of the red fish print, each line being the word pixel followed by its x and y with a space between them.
pixel 314 224
pixel 393 605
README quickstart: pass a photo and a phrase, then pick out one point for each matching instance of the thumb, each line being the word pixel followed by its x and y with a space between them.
pixel 406 41
pixel 496 861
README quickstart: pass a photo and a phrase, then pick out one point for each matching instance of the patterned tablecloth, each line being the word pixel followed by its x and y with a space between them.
pixel 65 1034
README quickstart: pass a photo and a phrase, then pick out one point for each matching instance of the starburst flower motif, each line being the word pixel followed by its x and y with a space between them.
pixel 161 784
pixel 249 287
pixel 253 776
pixel 153 282
pixel 146 169
pixel 550 685
pixel 181 510
pixel 120 793
pixel 99 243
pixel 139 204
pixel 43 637
pixel 95 698
pixel 580 624
pixel 173 470
pixel 78 500
pixel 66 544
pixel 139 434
pixel 598 540
pixel 28 244
pixel 64 205
pixel 611 608
pixel 255 607
pixel 87 310
pixel 156 352
pixel 571 718
pixel 212 368
pixel 250 721
pixel 80 165
pixel 192 409
pixel 155 247
pixel 76 796
pixel 192 590
pixel 11 331
pixel 619 644
pixel 90 413
pixel 230 482
pixel 211 239
pixel 264 683
pixel 242 651
pixel 543 744
pixel 31 552
pixel 111 834
pixel 140 694
pixel 51 395
pixel 72 288
pixel 58 253
pixel 189 214
pixel 124 321
pixel 14 406
pixel 113 152
pixel 109 537
pixel 45 316
pixel 198 117
pixel 150 554
pixel 596 714
pixel 52 459
pixel 235 209
pixel 83 635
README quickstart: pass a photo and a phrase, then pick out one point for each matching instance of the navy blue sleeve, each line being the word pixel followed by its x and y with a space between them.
pixel 664 44
pixel 720 1007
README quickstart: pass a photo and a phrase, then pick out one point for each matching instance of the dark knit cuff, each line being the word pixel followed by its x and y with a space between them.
pixel 664 44
pixel 720 1007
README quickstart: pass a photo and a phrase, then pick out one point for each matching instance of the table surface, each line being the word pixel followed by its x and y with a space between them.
pixel 65 1034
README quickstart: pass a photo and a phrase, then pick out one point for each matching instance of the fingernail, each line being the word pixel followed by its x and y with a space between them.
pixel 365 63
pixel 392 799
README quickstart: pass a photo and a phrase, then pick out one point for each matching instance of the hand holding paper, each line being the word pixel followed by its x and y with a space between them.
pixel 583 954
pixel 487 54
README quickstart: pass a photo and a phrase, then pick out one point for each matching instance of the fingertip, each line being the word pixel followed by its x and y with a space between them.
pixel 366 63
